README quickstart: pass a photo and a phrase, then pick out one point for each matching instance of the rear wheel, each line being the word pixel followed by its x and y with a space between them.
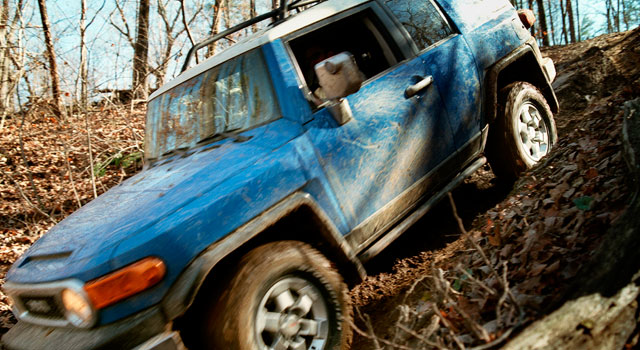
pixel 283 296
pixel 523 133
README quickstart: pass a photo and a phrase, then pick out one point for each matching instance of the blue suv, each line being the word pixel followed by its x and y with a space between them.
pixel 277 167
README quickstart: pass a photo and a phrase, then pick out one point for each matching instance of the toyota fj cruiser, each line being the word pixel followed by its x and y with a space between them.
pixel 275 168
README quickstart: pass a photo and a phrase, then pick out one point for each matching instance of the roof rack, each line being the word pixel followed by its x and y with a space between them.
pixel 277 15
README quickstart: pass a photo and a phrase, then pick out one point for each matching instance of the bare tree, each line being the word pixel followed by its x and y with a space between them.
pixel 578 20
pixel 544 32
pixel 51 55
pixel 563 15
pixel 84 70
pixel 215 25
pixel 141 52
pixel 171 33
pixel 609 7
pixel 4 60
pixel 553 30
pixel 572 28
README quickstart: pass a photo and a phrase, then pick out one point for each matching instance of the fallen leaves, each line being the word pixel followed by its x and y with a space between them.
pixel 45 172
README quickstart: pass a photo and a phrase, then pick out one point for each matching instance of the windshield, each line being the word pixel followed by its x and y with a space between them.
pixel 236 95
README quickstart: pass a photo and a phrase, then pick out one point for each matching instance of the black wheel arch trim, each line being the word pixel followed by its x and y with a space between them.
pixel 184 290
pixel 542 82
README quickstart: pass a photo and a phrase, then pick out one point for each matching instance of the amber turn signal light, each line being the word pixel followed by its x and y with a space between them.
pixel 129 280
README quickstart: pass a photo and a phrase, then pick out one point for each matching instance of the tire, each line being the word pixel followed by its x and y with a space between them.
pixel 523 133
pixel 283 295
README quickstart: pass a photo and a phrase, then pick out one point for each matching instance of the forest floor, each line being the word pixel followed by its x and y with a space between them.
pixel 435 287
pixel 438 288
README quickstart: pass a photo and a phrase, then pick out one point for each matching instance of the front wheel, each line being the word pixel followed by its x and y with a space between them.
pixel 523 133
pixel 283 296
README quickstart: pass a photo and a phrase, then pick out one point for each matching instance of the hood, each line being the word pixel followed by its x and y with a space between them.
pixel 81 245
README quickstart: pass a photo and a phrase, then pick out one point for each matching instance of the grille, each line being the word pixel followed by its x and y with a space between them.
pixel 43 307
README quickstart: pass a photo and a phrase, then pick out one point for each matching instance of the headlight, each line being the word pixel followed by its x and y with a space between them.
pixel 77 308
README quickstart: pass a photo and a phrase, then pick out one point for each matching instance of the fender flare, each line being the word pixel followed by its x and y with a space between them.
pixel 184 290
pixel 541 80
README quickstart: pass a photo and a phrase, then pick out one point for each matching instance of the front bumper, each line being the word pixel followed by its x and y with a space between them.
pixel 146 330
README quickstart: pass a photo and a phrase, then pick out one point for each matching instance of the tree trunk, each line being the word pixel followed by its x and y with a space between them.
pixel 84 70
pixel 252 14
pixel 572 28
pixel 578 20
pixel 544 32
pixel 553 30
pixel 618 16
pixel 625 15
pixel 51 55
pixel 609 23
pixel 215 26
pixel 141 52
pixel 4 60
pixel 563 14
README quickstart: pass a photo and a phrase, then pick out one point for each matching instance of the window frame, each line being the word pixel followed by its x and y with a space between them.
pixel 276 104
pixel 407 36
pixel 389 31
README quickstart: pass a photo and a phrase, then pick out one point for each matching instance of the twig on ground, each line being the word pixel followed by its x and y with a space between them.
pixel 420 337
pixel 27 199
pixel 447 325
pixel 93 176
pixel 482 254
pixel 477 281
pixel 68 163
pixel 367 321
pixel 471 325
pixel 373 337
pixel 26 163
pixel 496 342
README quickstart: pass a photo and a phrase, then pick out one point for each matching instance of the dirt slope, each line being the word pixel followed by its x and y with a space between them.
pixel 529 243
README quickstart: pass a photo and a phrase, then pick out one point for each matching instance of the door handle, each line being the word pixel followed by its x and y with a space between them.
pixel 417 87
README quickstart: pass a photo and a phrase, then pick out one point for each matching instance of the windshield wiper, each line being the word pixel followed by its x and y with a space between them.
pixel 226 134
pixel 173 152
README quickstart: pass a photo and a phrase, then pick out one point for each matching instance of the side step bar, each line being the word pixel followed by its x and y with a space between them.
pixel 401 227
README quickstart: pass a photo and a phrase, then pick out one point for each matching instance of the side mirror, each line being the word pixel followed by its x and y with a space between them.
pixel 339 77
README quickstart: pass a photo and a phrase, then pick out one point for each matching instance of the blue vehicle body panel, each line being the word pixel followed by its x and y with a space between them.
pixel 488 30
pixel 173 210
pixel 294 105
pixel 454 70
pixel 377 155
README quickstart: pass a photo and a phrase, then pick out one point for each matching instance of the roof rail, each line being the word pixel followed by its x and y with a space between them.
pixel 277 15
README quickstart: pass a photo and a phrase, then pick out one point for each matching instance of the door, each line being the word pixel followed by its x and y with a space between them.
pixel 384 160
pixel 450 61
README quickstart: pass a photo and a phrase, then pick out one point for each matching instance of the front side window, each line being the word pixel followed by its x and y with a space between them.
pixel 360 34
pixel 234 96
pixel 422 20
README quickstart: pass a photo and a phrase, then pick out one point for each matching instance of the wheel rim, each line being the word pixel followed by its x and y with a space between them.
pixel 292 315
pixel 533 132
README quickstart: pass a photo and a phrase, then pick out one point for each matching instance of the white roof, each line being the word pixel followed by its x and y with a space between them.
pixel 292 24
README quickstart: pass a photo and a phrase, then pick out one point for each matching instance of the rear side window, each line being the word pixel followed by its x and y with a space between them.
pixel 422 19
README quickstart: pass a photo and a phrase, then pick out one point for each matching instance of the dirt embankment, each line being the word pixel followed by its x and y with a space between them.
pixel 527 247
